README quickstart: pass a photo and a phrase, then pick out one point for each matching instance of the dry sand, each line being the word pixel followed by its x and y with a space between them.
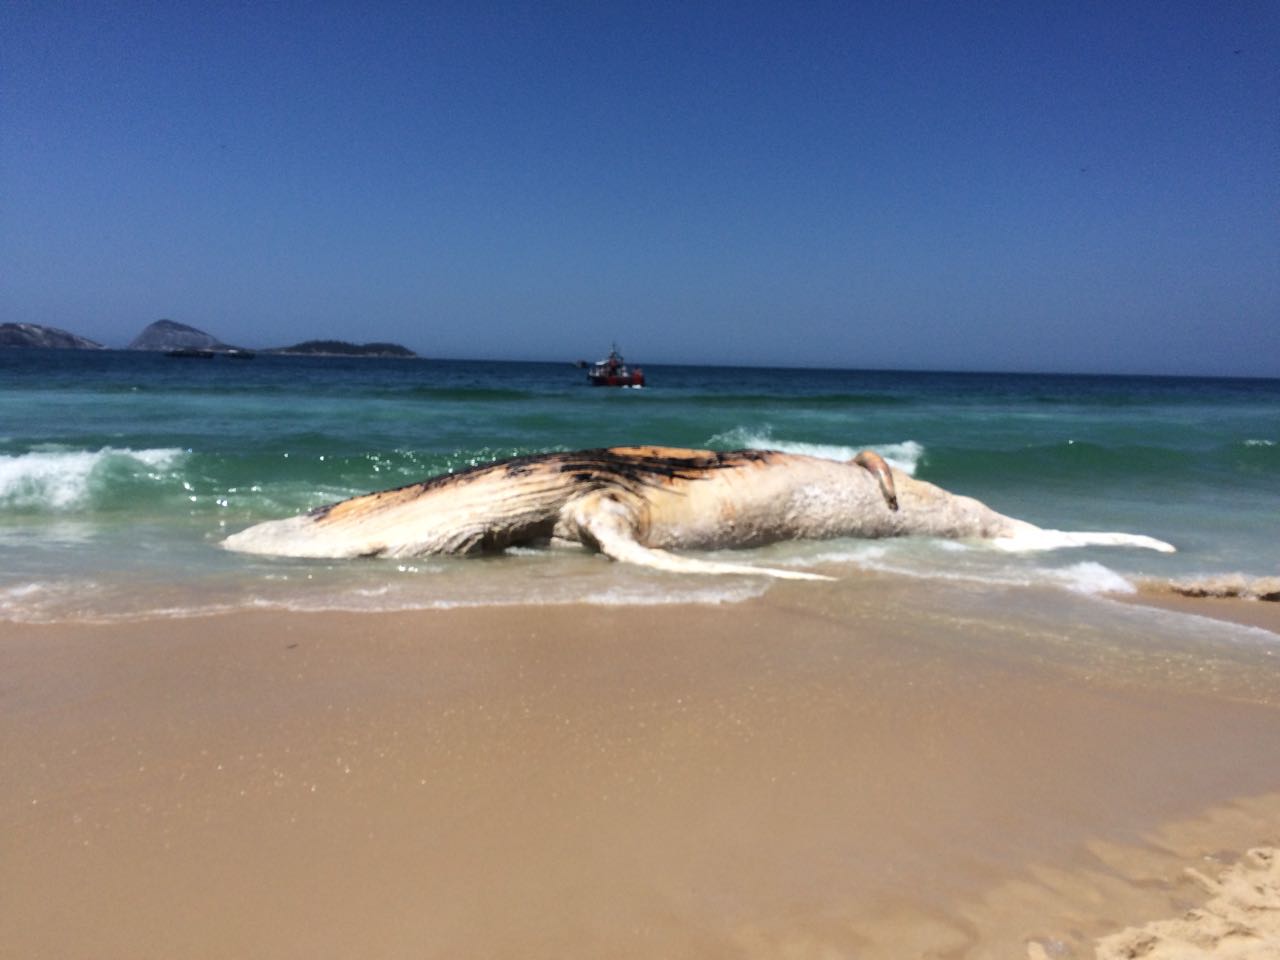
pixel 756 780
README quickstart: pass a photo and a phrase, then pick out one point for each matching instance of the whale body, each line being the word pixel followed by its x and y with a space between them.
pixel 638 504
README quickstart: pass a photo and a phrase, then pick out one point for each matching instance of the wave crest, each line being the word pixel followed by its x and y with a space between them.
pixel 905 455
pixel 65 479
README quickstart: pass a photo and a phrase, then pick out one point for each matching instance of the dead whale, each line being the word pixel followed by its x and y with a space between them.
pixel 637 504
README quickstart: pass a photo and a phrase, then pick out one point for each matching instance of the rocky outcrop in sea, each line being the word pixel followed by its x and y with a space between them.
pixel 171 335
pixel 342 348
pixel 49 338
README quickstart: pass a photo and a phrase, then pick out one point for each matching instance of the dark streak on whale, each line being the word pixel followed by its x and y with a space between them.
pixel 593 469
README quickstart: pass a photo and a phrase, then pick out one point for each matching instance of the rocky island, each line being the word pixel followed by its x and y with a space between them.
pixel 179 339
pixel 341 348
pixel 48 338
pixel 171 335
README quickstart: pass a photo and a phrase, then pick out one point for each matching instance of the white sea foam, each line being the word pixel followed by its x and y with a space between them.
pixel 904 455
pixel 1090 577
pixel 1232 584
pixel 713 594
pixel 968 563
pixel 36 601
pixel 61 479
pixel 20 591
pixel 1260 443
pixel 449 586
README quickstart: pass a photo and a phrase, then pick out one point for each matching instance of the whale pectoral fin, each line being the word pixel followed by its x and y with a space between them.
pixel 874 464
pixel 1027 539
pixel 606 524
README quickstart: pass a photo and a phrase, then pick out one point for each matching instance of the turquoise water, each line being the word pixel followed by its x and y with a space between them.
pixel 120 471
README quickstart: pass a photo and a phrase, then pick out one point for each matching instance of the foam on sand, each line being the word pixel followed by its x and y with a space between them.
pixel 1241 919
pixel 1224 585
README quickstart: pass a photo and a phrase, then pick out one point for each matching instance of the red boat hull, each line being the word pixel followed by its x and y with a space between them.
pixel 613 380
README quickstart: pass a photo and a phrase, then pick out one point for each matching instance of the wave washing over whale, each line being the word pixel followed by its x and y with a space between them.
pixel 637 504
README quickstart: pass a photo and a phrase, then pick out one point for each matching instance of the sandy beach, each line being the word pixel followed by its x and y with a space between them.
pixel 763 779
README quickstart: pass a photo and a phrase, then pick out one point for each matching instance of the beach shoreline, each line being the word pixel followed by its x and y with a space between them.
pixel 738 780
pixel 1263 614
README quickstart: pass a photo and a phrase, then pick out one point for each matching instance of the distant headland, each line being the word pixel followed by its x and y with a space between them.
pixel 48 338
pixel 169 336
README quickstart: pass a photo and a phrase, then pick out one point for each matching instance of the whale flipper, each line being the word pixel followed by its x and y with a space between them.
pixel 1034 538
pixel 604 522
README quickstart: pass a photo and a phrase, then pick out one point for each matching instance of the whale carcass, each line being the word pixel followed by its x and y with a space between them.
pixel 638 504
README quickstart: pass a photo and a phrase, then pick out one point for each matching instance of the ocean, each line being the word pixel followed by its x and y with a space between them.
pixel 120 473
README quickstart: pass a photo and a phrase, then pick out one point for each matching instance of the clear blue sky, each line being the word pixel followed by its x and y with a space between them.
pixel 1002 186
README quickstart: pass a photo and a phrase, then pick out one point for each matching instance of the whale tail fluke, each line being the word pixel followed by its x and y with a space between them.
pixel 1029 539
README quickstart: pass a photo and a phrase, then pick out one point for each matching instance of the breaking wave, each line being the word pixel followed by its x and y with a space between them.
pixel 70 479
pixel 905 455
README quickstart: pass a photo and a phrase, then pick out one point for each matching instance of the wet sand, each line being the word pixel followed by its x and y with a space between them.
pixel 773 778
pixel 1264 614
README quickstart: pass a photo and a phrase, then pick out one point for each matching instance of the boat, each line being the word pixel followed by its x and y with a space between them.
pixel 613 371
pixel 190 353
